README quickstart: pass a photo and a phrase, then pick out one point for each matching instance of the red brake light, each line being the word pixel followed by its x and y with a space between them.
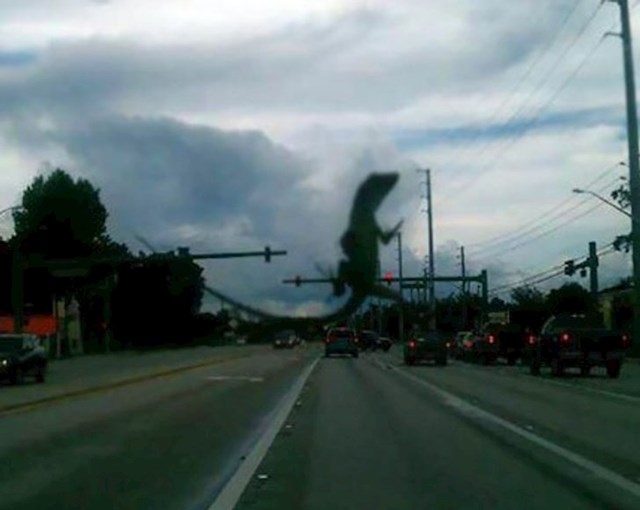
pixel 565 338
pixel 412 344
pixel 531 339
pixel 491 339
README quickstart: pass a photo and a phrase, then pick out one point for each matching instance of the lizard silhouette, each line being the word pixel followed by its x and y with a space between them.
pixel 359 269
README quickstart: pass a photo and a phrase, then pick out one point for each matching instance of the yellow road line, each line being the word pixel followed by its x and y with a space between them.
pixel 29 406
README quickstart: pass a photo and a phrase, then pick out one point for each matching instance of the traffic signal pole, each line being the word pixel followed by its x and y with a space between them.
pixel 400 304
pixel 634 170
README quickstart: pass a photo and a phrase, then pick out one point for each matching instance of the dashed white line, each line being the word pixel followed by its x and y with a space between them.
pixel 232 491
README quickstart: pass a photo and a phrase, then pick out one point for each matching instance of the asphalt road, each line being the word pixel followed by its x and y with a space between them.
pixel 373 434
pixel 168 443
pixel 364 433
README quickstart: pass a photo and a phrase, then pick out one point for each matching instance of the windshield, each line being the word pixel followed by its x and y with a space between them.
pixel 321 254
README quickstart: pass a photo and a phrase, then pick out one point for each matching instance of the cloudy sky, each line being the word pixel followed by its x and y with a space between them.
pixel 233 125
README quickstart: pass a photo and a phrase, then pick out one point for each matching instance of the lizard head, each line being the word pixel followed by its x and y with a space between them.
pixel 377 186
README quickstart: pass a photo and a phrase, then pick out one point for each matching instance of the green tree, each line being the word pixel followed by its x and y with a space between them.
pixel 570 298
pixel 528 307
pixel 61 217
pixel 622 196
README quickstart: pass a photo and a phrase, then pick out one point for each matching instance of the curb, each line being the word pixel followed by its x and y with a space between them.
pixel 33 404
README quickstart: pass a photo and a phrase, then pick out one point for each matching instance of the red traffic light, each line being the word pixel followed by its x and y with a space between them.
pixel 388 277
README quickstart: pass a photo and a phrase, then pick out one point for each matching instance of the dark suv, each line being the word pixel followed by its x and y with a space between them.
pixel 341 341
pixel 22 355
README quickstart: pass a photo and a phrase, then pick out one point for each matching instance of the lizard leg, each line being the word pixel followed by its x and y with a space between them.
pixel 386 237
pixel 385 293
pixel 339 282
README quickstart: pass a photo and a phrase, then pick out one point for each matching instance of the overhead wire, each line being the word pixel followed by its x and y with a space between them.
pixel 526 127
pixel 547 274
pixel 532 120
pixel 539 58
pixel 512 233
pixel 498 248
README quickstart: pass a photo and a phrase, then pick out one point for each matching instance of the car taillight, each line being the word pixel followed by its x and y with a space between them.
pixel 412 344
pixel 491 339
pixel 565 338
pixel 531 339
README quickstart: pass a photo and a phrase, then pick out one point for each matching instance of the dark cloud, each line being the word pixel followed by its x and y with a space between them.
pixel 305 67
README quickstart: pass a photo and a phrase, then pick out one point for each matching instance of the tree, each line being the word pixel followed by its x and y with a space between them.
pixel 570 298
pixel 528 307
pixel 61 218
pixel 622 196
pixel 156 301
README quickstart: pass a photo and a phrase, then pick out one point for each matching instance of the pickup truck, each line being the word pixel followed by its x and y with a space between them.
pixel 21 355
pixel 578 341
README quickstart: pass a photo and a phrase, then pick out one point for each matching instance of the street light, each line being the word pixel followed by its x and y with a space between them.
pixel 608 202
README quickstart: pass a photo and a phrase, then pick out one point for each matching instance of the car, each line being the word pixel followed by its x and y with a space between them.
pixel 368 340
pixel 22 355
pixel 479 348
pixel 286 339
pixel 456 346
pixel 578 341
pixel 426 346
pixel 341 341
pixel 385 343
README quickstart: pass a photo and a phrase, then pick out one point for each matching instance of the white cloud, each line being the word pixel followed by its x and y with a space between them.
pixel 343 88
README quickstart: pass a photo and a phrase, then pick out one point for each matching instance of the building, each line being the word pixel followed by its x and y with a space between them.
pixel 616 306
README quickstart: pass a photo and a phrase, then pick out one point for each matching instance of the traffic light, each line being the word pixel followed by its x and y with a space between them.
pixel 298 281
pixel 388 277
pixel 267 254
pixel 569 268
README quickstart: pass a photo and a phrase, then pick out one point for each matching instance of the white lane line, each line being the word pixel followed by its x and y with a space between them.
pixel 234 378
pixel 503 371
pixel 232 491
pixel 621 396
pixel 464 407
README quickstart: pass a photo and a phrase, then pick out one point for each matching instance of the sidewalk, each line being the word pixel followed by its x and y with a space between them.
pixel 85 374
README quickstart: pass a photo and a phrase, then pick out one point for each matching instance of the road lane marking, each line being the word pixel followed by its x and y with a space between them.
pixel 470 410
pixel 110 385
pixel 234 378
pixel 621 396
pixel 233 489
pixel 519 375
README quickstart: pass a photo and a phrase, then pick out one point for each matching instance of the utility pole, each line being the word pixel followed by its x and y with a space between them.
pixel 634 171
pixel 401 303
pixel 429 211
pixel 464 289
pixel 593 271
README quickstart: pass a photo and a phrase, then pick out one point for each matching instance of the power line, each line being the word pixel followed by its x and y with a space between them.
pixel 547 274
pixel 544 215
pixel 512 139
pixel 520 81
pixel 497 247
pixel 516 137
